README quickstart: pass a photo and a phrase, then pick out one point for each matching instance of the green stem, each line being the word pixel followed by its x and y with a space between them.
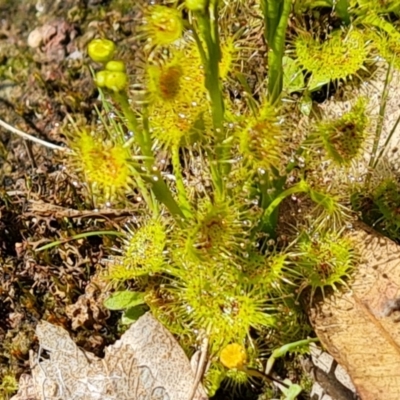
pixel 209 31
pixel 208 26
pixel 379 127
pixel 300 187
pixel 180 186
pixel 77 237
pixel 276 17
pixel 387 141
pixel 143 139
pixel 270 186
pixel 281 352
pixel 145 146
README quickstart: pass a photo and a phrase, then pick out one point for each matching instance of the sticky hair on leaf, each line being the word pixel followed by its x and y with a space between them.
pixel 104 164
pixel 325 260
pixel 344 138
pixel 178 80
pixel 177 96
pixel 342 55
pixel 163 25
pixel 218 230
pixel 260 140
pixel 143 252
pixel 211 294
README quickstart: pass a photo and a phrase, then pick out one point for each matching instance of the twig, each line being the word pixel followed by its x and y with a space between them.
pixel 30 137
pixel 200 368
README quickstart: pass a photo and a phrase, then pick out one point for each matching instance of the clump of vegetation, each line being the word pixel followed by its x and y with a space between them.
pixel 220 246
pixel 205 255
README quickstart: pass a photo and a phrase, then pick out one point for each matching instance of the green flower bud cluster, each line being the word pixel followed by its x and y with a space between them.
pixel 113 77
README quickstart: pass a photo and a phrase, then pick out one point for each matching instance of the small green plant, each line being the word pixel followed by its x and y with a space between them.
pixel 203 256
pixel 239 210
pixel 212 176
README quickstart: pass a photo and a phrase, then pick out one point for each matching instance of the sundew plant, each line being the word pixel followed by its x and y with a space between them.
pixel 219 248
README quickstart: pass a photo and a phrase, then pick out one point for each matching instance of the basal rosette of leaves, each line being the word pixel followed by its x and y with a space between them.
pixel 202 253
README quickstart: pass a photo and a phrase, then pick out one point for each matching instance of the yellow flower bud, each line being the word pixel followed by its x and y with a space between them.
pixel 116 81
pixel 116 66
pixel 196 5
pixel 100 78
pixel 101 50
pixel 112 80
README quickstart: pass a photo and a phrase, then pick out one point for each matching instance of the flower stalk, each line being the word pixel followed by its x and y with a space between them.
pixel 276 16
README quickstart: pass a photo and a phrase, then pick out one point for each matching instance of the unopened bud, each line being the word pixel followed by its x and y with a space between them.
pixel 101 50
pixel 196 5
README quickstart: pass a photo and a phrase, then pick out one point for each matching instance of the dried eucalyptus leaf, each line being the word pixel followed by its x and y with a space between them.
pixel 146 363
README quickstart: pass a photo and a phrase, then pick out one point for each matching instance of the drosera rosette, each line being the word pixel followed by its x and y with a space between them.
pixel 176 95
pixel 220 229
pixel 162 25
pixel 261 141
pixel 142 253
pixel 324 259
pixel 340 56
pixel 104 162
pixel 211 295
pixel 345 138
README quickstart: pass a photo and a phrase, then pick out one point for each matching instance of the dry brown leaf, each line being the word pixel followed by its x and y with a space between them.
pixel 145 364
pixel 356 325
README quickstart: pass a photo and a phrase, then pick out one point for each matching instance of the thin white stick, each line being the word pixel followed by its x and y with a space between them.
pixel 32 138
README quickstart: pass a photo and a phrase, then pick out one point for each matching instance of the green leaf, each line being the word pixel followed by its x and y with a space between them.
pixel 314 84
pixel 132 314
pixel 293 80
pixel 292 391
pixel 306 105
pixel 124 299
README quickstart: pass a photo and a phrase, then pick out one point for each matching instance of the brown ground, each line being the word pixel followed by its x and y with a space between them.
pixel 44 76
